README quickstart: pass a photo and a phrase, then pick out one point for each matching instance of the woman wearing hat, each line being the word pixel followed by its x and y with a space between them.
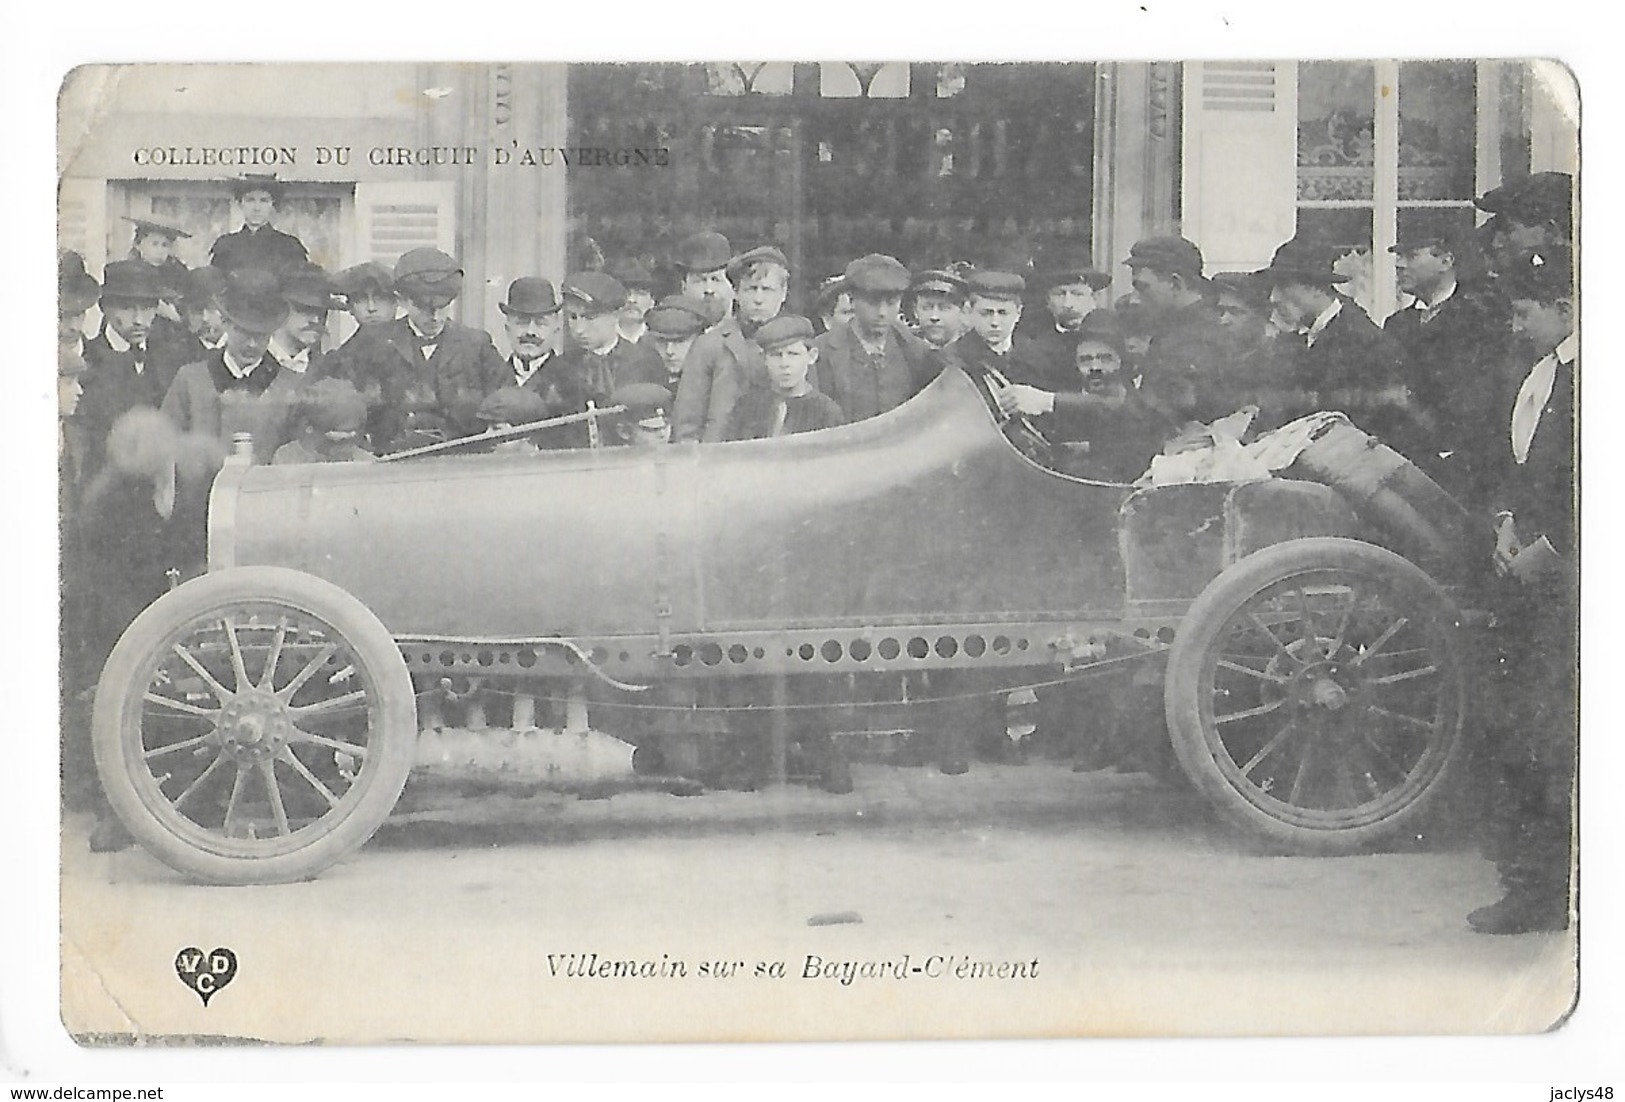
pixel 258 244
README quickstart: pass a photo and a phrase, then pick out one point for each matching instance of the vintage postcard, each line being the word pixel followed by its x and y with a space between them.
pixel 794 551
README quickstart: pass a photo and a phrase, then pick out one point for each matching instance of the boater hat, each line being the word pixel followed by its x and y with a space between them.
pixel 253 301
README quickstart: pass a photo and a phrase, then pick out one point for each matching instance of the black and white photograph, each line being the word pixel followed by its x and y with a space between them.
pixel 710 551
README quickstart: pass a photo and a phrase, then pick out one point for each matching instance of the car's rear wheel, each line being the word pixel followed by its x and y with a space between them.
pixel 1315 694
pixel 254 726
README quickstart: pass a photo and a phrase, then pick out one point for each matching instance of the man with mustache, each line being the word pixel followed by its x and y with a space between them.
pixel 120 374
pixel 531 319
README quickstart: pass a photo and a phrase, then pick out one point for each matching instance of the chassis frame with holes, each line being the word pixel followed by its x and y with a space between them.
pixel 258 723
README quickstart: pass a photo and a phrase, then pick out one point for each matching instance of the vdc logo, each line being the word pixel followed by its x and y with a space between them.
pixel 205 973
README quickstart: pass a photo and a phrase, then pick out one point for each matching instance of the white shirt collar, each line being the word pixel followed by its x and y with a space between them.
pixel 1320 323
pixel 1431 305
pixel 523 369
pixel 1569 349
pixel 605 350
pixel 422 336
pixel 1001 349
pixel 297 362
pixel 238 370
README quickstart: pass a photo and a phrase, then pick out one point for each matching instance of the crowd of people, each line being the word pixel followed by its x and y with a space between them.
pixel 1472 380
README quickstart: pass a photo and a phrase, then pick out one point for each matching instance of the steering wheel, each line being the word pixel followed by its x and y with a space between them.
pixel 1018 428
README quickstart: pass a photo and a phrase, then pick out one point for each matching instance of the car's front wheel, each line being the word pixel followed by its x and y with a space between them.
pixel 1316 691
pixel 254 726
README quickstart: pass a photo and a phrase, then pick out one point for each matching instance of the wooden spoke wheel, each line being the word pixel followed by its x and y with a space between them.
pixel 1316 693
pixel 254 726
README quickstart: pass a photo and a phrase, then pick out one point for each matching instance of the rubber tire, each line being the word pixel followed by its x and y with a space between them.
pixel 1200 630
pixel 392 747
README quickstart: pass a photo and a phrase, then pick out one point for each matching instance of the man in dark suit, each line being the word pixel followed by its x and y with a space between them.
pixel 1071 285
pixel 1455 337
pixel 872 363
pixel 202 328
pixel 258 244
pixel 424 375
pixel 120 373
pixel 1534 729
pixel 530 319
pixel 723 361
pixel 1185 353
pixel 672 328
pixel 1340 359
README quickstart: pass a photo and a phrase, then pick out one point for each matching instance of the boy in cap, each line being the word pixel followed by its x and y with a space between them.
pixel 1186 344
pixel 673 327
pixel 644 422
pixel 723 360
pixel 789 403
pixel 1340 359
pixel 531 317
pixel 873 363
pixel 761 280
pixel 1534 730
pixel 423 375
pixel 993 348
pixel 327 416
pixel 239 388
pixel 369 293
pixel 834 302
pixel 938 307
pixel 598 359
pixel 257 244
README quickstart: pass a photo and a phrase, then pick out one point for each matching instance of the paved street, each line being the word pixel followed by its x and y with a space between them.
pixel 1109 904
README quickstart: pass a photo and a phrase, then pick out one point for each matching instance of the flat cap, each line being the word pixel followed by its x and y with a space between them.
pixel 258 181
pixel 308 284
pixel 679 316
pixel 702 252
pixel 831 289
pixel 1061 265
pixel 1251 287
pixel 599 292
pixel 632 272
pixel 428 265
pixel 253 300
pixel 130 281
pixel 371 278
pixel 995 284
pixel 939 281
pixel 513 405
pixel 1170 255
pixel 531 296
pixel 145 226
pixel 741 264
pixel 203 284
pixel 782 330
pixel 646 403
pixel 877 274
pixel 1303 261
pixel 1543 197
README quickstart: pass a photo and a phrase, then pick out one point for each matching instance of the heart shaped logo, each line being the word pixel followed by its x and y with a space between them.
pixel 205 973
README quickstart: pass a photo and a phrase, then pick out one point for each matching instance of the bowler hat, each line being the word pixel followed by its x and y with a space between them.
pixel 702 252
pixel 309 285
pixel 370 278
pixel 678 316
pixel 1169 255
pixel 144 226
pixel 877 274
pixel 646 403
pixel 531 296
pixel 741 264
pixel 1301 261
pixel 1059 265
pixel 76 289
pixel 1543 197
pixel 253 300
pixel 513 405
pixel 782 330
pixel 428 274
pixel 130 281
pixel 598 292
pixel 258 181
pixel 993 284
